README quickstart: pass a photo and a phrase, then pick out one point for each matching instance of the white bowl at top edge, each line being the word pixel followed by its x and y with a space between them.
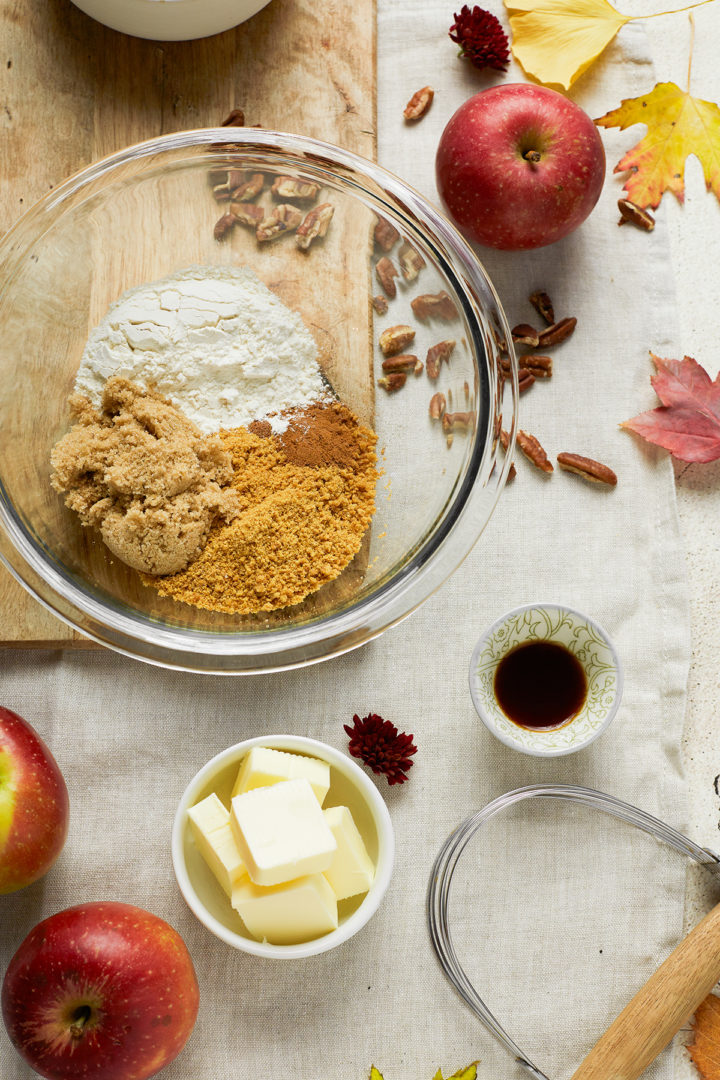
pixel 349 784
pixel 592 646
pixel 170 20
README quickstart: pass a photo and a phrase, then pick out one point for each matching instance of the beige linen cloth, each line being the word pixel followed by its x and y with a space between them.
pixel 559 916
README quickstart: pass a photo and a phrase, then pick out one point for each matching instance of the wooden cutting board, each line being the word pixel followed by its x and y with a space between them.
pixel 72 91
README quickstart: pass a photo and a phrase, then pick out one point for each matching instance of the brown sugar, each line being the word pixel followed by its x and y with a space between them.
pixel 144 475
pixel 306 499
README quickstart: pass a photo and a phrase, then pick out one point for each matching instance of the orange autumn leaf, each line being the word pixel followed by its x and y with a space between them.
pixel 705 1050
pixel 678 125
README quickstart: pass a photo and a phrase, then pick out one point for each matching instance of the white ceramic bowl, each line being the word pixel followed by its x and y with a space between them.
pixel 170 20
pixel 589 643
pixel 349 786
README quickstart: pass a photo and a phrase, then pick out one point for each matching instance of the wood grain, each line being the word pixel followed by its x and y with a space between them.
pixel 72 91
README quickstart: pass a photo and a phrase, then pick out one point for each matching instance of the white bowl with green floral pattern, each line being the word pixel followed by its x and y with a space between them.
pixel 589 643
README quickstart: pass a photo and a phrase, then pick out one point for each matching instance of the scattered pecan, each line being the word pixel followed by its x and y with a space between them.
pixel 385 234
pixel 505 442
pixel 224 225
pixel 532 450
pixel 540 366
pixel 434 306
pixel 437 355
pixel 458 421
pixel 411 261
pixel 404 362
pixel 222 192
pixel 591 470
pixel 283 218
pixel 525 379
pixel 247 213
pixel 380 304
pixel 247 189
pixel 392 382
pixel 630 212
pixel 395 338
pixel 314 225
pixel 234 119
pixel 524 334
pixel 419 103
pixel 386 272
pixel 543 305
pixel 556 333
pixel 437 406
pixel 292 187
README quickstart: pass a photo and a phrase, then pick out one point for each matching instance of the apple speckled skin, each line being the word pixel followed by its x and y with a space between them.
pixel 500 198
pixel 34 805
pixel 101 991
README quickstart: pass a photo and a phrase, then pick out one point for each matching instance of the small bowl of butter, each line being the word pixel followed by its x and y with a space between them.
pixel 282 846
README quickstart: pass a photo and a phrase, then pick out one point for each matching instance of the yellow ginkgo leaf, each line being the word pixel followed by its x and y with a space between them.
pixel 374 1074
pixel 555 41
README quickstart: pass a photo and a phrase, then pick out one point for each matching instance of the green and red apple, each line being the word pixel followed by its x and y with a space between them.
pixel 101 991
pixel 34 807
pixel 519 166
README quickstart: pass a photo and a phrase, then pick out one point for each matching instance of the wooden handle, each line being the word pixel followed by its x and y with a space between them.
pixel 669 998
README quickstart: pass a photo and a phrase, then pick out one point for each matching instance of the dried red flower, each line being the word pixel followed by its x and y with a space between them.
pixel 481 38
pixel 379 745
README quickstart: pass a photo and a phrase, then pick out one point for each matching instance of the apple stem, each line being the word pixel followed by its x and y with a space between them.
pixel 80 1018
pixel 533 156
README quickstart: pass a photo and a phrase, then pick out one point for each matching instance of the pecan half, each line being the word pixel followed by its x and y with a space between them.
pixel 314 225
pixel 404 362
pixel 534 452
pixel 292 187
pixel 386 272
pixel 505 442
pixel 594 471
pixel 234 119
pixel 385 234
pixel 558 332
pixel 525 379
pixel 433 306
pixel 437 355
pixel 543 305
pixel 411 261
pixel 284 218
pixel 458 421
pixel 394 381
pixel 540 366
pixel 635 215
pixel 437 406
pixel 419 103
pixel 524 334
pixel 247 189
pixel 224 225
pixel 395 338
pixel 247 213
pixel 380 304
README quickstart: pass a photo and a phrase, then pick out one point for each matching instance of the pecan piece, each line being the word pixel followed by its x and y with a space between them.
pixel 380 304
pixel 591 470
pixel 525 379
pixel 630 212
pixel 247 189
pixel 224 225
pixel 539 366
pixel 437 354
pixel 505 442
pixel 556 333
pixel 404 362
pixel 543 305
pixel 284 218
pixel 411 261
pixel 433 306
pixel 234 119
pixel 386 271
pixel 247 213
pixel 315 224
pixel 419 103
pixel 534 452
pixel 292 187
pixel 385 234
pixel 394 381
pixel 395 338
pixel 437 406
pixel 524 334
pixel 458 421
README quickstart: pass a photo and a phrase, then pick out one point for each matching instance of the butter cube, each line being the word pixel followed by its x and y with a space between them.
pixel 210 826
pixel 287 914
pixel 281 832
pixel 263 767
pixel 351 871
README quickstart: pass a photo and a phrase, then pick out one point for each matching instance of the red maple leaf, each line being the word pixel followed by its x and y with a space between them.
pixel 688 422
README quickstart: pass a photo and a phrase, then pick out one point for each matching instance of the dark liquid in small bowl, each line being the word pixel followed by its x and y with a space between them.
pixel 540 685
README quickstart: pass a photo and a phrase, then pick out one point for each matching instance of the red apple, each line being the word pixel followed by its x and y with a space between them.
pixel 101 991
pixel 519 166
pixel 34 809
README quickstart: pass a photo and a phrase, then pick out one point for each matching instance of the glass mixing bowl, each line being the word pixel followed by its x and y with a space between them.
pixel 149 211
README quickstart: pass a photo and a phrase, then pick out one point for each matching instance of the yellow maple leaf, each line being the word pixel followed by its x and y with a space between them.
pixel 678 124
pixel 470 1073
pixel 705 1050
pixel 555 41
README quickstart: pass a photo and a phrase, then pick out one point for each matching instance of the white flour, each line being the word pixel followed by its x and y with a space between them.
pixel 214 340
